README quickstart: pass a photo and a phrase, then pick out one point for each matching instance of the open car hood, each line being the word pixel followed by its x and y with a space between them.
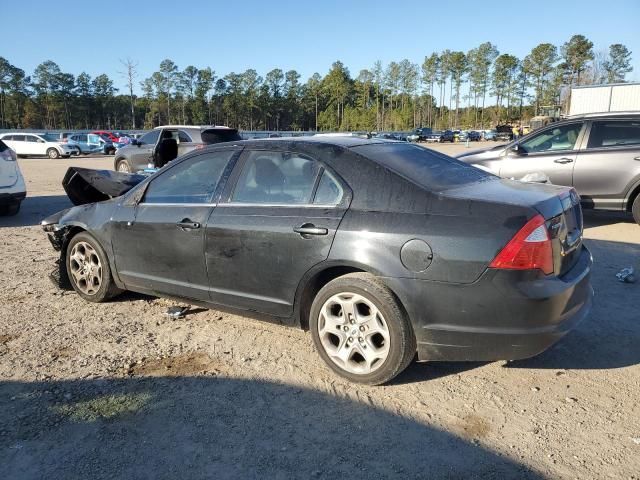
pixel 84 185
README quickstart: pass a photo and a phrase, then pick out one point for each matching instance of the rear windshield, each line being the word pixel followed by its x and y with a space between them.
pixel 218 136
pixel 427 168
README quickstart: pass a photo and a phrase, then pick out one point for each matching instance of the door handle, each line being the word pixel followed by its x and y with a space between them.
pixel 637 158
pixel 563 160
pixel 187 224
pixel 310 229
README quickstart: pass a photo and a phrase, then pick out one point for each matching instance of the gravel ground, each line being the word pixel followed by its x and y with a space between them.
pixel 118 390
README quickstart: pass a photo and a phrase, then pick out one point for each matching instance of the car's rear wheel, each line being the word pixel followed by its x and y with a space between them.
pixel 123 166
pixel 635 209
pixel 360 330
pixel 52 153
pixel 88 269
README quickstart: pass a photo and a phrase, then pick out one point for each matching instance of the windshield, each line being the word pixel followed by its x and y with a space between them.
pixel 427 168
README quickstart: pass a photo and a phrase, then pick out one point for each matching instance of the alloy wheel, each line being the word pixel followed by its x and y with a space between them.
pixel 85 268
pixel 124 167
pixel 353 333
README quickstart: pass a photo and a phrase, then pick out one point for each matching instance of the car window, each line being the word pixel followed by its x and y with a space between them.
pixel 614 134
pixel 150 138
pixel 8 137
pixel 428 168
pixel 183 137
pixel 18 138
pixel 191 181
pixel 32 139
pixel 329 191
pixel 220 135
pixel 563 137
pixel 276 178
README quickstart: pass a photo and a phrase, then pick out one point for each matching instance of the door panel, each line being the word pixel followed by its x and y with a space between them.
pixel 552 151
pixel 517 166
pixel 255 258
pixel 610 163
pixel 159 243
pixel 154 253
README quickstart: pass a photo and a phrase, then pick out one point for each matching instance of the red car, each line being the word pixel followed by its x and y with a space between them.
pixel 104 133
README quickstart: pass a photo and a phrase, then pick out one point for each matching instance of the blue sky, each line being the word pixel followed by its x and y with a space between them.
pixel 305 36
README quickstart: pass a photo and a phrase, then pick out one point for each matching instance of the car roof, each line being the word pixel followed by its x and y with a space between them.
pixel 195 127
pixel 586 116
pixel 345 142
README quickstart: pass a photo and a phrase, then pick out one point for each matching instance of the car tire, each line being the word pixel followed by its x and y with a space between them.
pixel 635 209
pixel 370 344
pixel 52 153
pixel 88 269
pixel 123 166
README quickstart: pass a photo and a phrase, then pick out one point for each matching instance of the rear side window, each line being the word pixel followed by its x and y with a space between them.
pixel 329 191
pixel 183 137
pixel 219 136
pixel 427 168
pixel 614 134
pixel 150 138
pixel 191 181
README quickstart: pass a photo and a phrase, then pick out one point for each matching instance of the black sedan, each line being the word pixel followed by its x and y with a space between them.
pixel 382 249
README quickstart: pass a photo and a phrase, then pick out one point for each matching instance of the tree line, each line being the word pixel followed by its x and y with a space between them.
pixel 471 89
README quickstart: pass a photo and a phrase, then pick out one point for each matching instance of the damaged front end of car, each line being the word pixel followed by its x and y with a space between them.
pixel 91 191
pixel 59 236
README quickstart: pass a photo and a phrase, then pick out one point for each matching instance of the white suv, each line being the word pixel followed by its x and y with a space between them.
pixel 25 144
pixel 12 188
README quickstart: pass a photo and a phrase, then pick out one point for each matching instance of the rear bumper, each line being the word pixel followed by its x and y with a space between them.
pixel 505 315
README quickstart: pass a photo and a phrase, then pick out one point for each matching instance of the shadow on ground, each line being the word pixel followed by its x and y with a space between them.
pixel 216 427
pixel 599 218
pixel 35 209
pixel 610 335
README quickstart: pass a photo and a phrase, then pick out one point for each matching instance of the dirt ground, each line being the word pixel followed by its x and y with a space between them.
pixel 118 390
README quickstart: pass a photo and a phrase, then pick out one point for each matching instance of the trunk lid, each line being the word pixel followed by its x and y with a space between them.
pixel 560 207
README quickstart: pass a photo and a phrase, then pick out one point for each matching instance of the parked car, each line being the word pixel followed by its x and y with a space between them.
pixel 88 143
pixel 597 155
pixel 109 136
pixel 474 136
pixel 386 136
pixel 490 135
pixel 461 136
pixel 12 187
pixel 382 249
pixel 447 136
pixel 164 144
pixel 420 134
pixel 434 136
pixel 37 144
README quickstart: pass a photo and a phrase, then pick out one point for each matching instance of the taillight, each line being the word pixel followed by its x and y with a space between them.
pixel 529 249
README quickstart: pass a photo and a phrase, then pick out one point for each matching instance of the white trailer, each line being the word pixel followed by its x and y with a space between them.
pixel 616 97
